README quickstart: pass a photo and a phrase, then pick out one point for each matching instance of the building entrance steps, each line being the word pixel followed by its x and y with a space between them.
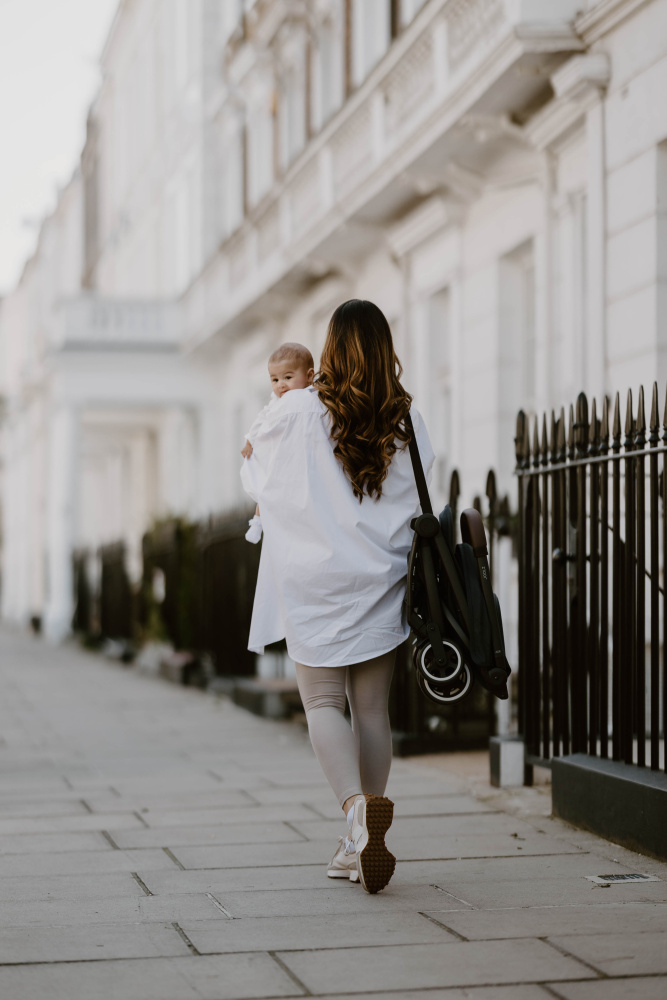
pixel 160 843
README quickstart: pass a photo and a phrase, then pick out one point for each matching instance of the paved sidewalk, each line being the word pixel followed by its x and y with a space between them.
pixel 160 844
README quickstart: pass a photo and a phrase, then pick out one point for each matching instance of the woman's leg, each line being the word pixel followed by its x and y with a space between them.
pixel 322 691
pixel 368 686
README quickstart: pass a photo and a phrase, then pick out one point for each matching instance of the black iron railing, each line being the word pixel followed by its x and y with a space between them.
pixel 592 546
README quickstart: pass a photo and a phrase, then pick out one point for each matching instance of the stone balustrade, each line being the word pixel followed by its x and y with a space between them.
pixel 89 321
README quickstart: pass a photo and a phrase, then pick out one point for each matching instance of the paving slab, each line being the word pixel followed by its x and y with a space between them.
pixel 313 932
pixel 425 966
pixel 490 894
pixel 619 954
pixel 238 879
pixel 216 977
pixel 442 826
pixel 218 798
pixel 111 909
pixel 338 896
pixel 645 988
pixel 205 833
pixel 468 993
pixel 188 816
pixel 58 824
pixel 92 942
pixel 22 889
pixel 13 808
pixel 605 918
pixel 66 863
pixel 52 843
pixel 297 852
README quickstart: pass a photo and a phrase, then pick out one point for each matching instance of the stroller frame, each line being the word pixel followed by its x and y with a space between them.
pixel 451 608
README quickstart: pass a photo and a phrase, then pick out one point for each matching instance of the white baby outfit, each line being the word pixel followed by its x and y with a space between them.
pixel 332 572
pixel 254 532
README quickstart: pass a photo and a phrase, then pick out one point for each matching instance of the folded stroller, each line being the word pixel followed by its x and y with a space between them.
pixel 451 608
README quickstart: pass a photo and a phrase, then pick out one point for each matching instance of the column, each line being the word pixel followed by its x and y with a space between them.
pixel 596 255
pixel 62 461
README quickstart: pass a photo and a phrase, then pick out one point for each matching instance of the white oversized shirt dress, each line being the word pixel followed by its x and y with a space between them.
pixel 332 573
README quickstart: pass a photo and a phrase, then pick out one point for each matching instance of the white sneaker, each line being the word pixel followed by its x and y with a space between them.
pixel 371 820
pixel 343 864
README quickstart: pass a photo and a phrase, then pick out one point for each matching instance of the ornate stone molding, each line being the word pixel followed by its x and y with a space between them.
pixel 579 75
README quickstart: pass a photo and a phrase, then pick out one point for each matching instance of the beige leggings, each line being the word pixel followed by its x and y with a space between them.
pixel 354 759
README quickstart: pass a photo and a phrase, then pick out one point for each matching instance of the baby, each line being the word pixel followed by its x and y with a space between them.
pixel 290 367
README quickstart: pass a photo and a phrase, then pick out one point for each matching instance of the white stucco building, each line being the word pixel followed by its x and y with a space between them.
pixel 493 173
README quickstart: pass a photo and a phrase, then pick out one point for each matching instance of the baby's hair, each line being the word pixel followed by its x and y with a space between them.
pixel 292 352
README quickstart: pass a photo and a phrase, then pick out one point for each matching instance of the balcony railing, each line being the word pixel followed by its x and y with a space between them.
pixel 89 322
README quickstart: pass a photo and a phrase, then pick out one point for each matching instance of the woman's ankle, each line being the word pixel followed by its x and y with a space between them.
pixel 349 802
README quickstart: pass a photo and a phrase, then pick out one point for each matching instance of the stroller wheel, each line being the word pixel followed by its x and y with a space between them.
pixel 433 672
pixel 446 693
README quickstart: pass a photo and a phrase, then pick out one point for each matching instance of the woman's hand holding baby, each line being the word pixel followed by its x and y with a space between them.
pixel 246 450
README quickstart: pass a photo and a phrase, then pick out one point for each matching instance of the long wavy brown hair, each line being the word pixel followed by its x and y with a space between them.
pixel 359 383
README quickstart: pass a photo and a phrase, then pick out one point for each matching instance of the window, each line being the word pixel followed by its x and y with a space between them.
pixel 371 35
pixel 328 71
pixel 409 9
pixel 439 361
pixel 231 14
pixel 293 113
pixel 232 177
pixel 260 151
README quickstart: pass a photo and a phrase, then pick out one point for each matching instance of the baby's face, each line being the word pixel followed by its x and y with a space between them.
pixel 286 375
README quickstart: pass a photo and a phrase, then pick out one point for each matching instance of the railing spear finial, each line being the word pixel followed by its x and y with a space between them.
pixel 616 425
pixel 491 489
pixel 519 438
pixel 553 438
pixel 545 441
pixel 604 427
pixel 581 425
pixel 629 423
pixel 536 443
pixel 640 427
pixel 570 434
pixel 560 436
pixel 594 430
pixel 654 426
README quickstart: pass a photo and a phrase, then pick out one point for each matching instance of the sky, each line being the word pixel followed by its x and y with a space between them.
pixel 49 74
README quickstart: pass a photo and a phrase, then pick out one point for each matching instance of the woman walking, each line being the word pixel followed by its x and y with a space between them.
pixel 332 476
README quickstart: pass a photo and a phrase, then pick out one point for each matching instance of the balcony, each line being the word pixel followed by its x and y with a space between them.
pixel 91 323
pixel 448 98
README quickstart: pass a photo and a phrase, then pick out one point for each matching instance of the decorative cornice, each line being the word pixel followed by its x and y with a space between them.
pixel 429 218
pixel 605 16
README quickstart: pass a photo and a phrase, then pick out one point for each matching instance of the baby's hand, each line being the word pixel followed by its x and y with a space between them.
pixel 246 451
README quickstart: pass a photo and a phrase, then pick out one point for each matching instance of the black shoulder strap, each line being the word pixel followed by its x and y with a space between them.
pixel 418 469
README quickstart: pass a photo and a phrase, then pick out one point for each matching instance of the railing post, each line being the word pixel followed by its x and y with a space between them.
pixel 628 609
pixel 640 619
pixel 580 623
pixel 593 653
pixel 654 487
pixel 546 562
pixel 618 577
pixel 603 650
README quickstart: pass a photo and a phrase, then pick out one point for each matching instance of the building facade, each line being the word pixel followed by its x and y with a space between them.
pixel 493 173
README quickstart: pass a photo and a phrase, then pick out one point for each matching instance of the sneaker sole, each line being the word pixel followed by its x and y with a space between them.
pixel 376 864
